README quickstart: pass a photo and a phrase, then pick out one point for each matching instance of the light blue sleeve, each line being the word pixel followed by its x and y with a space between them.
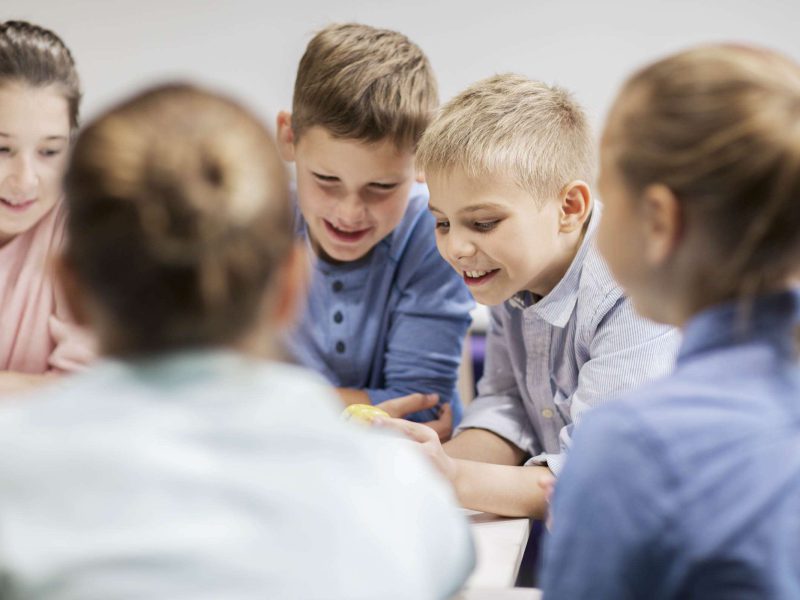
pixel 625 352
pixel 498 407
pixel 426 333
pixel 610 512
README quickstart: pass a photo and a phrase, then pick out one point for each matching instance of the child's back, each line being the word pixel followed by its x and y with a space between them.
pixel 209 475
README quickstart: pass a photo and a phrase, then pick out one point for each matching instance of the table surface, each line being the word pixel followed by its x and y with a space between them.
pixel 499 545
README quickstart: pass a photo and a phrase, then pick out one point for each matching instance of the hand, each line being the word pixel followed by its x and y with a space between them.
pixel 405 405
pixel 428 441
pixel 547 483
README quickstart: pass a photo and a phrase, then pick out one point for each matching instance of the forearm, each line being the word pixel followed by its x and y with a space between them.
pixel 482 445
pixel 12 382
pixel 509 491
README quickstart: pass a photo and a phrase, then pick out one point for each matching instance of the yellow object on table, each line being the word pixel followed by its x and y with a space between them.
pixel 363 413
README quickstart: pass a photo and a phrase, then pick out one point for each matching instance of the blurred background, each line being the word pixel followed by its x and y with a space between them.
pixel 251 47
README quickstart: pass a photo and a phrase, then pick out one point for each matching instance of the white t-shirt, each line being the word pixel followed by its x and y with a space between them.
pixel 209 475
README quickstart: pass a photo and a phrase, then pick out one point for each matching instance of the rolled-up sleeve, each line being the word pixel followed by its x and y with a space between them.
pixel 498 407
pixel 425 336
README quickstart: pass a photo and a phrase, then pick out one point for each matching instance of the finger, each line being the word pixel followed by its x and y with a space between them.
pixel 400 407
pixel 443 426
pixel 413 431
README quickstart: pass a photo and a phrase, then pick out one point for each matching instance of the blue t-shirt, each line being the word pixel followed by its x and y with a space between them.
pixel 391 323
pixel 690 487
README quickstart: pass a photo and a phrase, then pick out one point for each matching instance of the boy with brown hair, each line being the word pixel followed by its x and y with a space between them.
pixel 386 316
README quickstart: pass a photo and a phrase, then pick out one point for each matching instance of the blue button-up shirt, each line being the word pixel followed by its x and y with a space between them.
pixel 391 323
pixel 550 360
pixel 690 488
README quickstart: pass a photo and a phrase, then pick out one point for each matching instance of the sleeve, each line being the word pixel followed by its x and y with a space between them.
pixel 609 530
pixel 498 407
pixel 625 351
pixel 74 346
pixel 425 335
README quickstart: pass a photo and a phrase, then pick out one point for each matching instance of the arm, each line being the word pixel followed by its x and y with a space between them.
pixel 12 382
pixel 426 328
pixel 609 517
pixel 625 351
pixel 499 489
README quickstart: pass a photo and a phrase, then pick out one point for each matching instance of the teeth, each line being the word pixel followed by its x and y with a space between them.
pixel 476 274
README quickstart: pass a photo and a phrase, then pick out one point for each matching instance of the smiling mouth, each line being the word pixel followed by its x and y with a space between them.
pixel 342 235
pixel 17 206
pixel 479 277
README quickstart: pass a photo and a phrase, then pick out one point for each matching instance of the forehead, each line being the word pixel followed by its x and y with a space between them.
pixel 33 112
pixel 455 191
pixel 343 156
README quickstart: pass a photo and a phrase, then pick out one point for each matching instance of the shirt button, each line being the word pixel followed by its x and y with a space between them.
pixel 337 286
pixel 340 347
pixel 338 317
pixel 547 413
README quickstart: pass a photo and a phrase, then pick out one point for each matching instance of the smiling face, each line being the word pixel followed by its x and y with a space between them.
pixel 34 140
pixel 497 237
pixel 352 194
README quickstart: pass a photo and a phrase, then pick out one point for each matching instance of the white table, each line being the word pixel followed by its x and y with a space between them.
pixel 499 545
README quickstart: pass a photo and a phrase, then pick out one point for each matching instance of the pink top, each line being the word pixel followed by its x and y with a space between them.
pixel 37 333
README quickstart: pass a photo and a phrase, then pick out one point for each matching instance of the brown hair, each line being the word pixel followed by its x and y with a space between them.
pixel 37 57
pixel 720 127
pixel 366 84
pixel 510 126
pixel 178 219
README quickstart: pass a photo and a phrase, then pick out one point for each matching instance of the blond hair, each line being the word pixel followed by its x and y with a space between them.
pixel 363 83
pixel 720 127
pixel 512 127
pixel 178 219
pixel 37 57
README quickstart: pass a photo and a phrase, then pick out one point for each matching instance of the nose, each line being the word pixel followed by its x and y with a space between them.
pixel 351 211
pixel 459 246
pixel 23 179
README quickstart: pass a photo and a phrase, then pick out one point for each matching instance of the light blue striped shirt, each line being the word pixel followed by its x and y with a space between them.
pixel 548 361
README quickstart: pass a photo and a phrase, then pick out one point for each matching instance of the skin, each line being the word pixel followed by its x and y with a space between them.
pixel 34 142
pixel 352 195
pixel 497 227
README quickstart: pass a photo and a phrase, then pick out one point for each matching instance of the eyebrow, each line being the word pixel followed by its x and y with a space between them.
pixel 48 138
pixel 473 208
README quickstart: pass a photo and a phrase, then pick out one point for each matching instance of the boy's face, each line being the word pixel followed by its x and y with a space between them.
pixel 496 236
pixel 352 194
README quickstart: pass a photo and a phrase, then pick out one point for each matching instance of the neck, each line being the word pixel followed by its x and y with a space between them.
pixel 560 264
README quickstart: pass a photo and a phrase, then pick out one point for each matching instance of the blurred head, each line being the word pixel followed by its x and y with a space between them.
pixel 700 174
pixel 509 162
pixel 179 225
pixel 363 96
pixel 39 98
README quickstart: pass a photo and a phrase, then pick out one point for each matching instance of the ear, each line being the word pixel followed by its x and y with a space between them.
pixel 663 223
pixel 285 136
pixel 420 177
pixel 576 206
pixel 71 289
pixel 291 286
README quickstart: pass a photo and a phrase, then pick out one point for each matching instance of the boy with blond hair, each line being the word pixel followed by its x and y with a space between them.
pixel 386 315
pixel 509 163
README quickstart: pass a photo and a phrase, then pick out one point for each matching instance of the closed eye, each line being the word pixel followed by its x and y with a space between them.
pixel 383 186
pixel 48 152
pixel 325 178
pixel 485 226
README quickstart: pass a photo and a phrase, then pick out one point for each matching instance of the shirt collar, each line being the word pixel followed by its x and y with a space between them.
pixel 556 307
pixel 770 317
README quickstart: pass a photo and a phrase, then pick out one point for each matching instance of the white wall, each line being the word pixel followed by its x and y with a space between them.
pixel 251 48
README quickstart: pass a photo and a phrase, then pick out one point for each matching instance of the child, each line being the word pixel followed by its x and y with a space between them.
pixel 39 96
pixel 185 465
pixel 509 162
pixel 701 176
pixel 386 316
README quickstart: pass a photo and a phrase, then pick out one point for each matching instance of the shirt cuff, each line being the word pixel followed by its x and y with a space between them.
pixel 554 462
